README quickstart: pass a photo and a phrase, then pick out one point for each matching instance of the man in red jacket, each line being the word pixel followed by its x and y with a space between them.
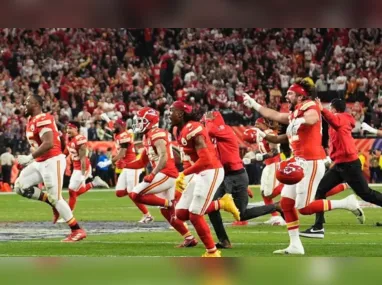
pixel 347 166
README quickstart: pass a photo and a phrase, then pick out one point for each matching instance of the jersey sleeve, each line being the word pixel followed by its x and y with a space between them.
pixel 160 134
pixel 195 130
pixel 43 125
pixel 311 105
pixel 124 138
pixel 80 140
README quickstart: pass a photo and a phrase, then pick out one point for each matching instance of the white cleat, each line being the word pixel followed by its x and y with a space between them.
pixel 98 182
pixel 61 221
pixel 275 221
pixel 146 219
pixel 292 249
pixel 354 207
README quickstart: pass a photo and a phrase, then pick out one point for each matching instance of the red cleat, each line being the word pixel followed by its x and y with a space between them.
pixel 240 223
pixel 188 243
pixel 56 215
pixel 75 236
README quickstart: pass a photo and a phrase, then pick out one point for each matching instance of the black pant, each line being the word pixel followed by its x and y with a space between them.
pixel 375 172
pixel 351 173
pixel 236 185
pixel 6 170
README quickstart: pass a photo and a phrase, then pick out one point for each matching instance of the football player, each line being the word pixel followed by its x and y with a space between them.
pixel 45 164
pixel 304 136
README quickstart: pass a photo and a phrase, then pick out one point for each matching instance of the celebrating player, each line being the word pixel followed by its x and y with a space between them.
pixel 304 135
pixel 235 179
pixel 157 188
pixel 269 153
pixel 129 178
pixel 77 148
pixel 45 164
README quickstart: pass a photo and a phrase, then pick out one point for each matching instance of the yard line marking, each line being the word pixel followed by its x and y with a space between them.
pixel 174 243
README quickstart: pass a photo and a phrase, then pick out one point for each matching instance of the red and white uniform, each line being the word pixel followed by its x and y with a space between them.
pixel 202 186
pixel 307 148
pixel 73 147
pixel 49 168
pixel 164 182
pixel 268 177
pixel 128 178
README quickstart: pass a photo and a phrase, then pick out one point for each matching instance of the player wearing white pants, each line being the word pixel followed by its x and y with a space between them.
pixel 268 179
pixel 128 179
pixel 200 190
pixel 76 181
pixel 304 192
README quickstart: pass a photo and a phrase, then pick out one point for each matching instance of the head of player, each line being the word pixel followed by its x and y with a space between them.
pixel 73 129
pixel 33 105
pixel 181 113
pixel 303 89
pixel 263 124
pixel 119 126
pixel 337 106
pixel 145 120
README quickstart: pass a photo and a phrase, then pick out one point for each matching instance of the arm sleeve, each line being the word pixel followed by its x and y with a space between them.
pixel 334 121
pixel 201 164
pixel 139 163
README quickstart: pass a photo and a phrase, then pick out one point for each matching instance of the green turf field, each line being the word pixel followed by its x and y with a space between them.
pixel 111 223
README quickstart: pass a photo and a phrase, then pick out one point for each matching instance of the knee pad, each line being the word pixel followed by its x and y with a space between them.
pixel 287 204
pixel 182 214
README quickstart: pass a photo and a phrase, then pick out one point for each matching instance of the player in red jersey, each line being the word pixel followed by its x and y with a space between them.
pixel 77 148
pixel 304 136
pixel 128 178
pixel 269 154
pixel 45 164
pixel 206 170
pixel 157 188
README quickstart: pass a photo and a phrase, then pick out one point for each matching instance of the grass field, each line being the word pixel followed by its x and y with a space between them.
pixel 112 231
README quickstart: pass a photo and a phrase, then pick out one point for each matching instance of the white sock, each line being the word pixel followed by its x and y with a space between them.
pixel 294 237
pixel 64 210
pixel 338 204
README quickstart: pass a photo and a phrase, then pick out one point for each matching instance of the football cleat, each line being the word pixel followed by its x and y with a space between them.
pixel 214 254
pixel 292 249
pixel 146 219
pixel 228 205
pixel 225 244
pixel 275 221
pixel 354 207
pixel 61 221
pixel 313 232
pixel 98 182
pixel 75 236
pixel 188 243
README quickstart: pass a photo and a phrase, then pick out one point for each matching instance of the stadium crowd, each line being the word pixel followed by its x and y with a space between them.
pixel 82 73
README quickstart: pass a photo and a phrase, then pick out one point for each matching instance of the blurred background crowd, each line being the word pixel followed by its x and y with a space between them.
pixel 82 73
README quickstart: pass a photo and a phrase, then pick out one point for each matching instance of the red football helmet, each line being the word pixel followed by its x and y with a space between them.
pixel 145 119
pixel 250 135
pixel 289 172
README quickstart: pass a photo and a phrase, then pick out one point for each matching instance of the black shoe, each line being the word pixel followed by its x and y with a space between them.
pixel 223 245
pixel 313 232
pixel 378 224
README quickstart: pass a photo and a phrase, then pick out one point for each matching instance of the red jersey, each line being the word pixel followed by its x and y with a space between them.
pixel 149 140
pixel 130 155
pixel 226 142
pixel 186 140
pixel 73 147
pixel 264 148
pixel 307 143
pixel 121 107
pixel 39 125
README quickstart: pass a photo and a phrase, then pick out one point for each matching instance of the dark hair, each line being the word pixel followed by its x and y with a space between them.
pixel 339 105
pixel 75 123
pixel 38 99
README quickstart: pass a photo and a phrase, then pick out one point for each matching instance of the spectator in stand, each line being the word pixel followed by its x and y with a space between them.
pixel 374 167
pixel 341 81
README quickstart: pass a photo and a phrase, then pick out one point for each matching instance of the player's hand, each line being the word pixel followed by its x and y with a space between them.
pixel 24 159
pixel 259 157
pixel 250 102
pixel 180 184
pixel 318 102
pixel 103 164
pixel 246 161
pixel 149 178
pixel 367 128
pixel 260 135
pixel 296 124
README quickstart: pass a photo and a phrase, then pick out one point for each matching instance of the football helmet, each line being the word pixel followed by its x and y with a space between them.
pixel 290 171
pixel 145 119
pixel 250 135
